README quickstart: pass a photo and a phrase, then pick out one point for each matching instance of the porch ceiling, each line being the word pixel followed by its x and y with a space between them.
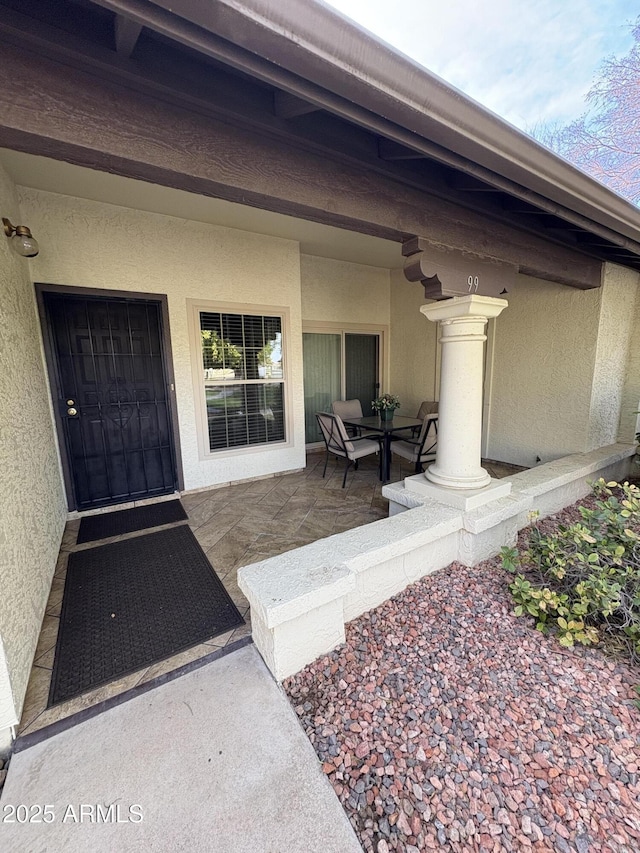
pixel 323 241
pixel 260 103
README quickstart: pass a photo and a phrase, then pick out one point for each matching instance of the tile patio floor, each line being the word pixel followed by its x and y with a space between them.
pixel 235 525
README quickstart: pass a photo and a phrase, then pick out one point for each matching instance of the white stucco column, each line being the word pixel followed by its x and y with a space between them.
pixel 462 322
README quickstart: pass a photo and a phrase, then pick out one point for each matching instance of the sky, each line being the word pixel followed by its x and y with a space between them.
pixel 529 62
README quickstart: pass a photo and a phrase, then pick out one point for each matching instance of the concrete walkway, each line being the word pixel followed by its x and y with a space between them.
pixel 213 761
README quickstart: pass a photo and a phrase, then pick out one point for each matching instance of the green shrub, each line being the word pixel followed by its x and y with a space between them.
pixel 583 579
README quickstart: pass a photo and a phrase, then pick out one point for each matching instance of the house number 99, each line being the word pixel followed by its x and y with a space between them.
pixel 473 283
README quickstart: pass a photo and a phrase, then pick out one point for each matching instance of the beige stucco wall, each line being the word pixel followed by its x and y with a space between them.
pixel 90 244
pixel 545 351
pixel 348 296
pixel 343 292
pixel 630 400
pixel 414 357
pixel 615 339
pixel 32 504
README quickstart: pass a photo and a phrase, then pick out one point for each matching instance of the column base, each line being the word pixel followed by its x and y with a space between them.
pixel 461 499
pixel 481 480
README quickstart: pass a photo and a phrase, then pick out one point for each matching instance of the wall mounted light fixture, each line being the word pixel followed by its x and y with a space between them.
pixel 21 239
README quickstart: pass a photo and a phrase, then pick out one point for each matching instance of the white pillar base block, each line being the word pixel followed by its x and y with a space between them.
pixel 473 481
pixel 461 499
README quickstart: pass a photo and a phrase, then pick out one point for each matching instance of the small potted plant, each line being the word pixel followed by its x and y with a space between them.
pixel 385 406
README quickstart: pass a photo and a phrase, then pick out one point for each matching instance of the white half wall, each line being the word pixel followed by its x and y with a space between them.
pixel 32 503
pixel 301 600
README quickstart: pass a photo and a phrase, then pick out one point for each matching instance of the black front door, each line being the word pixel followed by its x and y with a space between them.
pixel 111 397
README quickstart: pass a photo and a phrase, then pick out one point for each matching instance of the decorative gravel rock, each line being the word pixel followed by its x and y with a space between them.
pixel 447 723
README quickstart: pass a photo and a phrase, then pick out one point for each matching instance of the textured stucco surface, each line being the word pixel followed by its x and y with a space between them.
pixel 301 599
pixel 32 503
pixel 8 713
pixel 342 292
pixel 89 244
pixel 617 308
pixel 630 400
pixel 346 295
pixel 544 361
pixel 413 345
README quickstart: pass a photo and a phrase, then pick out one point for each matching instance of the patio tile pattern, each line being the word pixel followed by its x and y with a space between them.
pixel 235 525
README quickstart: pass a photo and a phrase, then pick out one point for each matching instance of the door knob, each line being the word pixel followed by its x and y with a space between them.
pixel 72 411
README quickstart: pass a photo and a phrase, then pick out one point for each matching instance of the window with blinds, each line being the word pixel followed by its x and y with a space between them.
pixel 243 377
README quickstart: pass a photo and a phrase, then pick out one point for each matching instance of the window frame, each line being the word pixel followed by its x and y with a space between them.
pixel 324 327
pixel 196 306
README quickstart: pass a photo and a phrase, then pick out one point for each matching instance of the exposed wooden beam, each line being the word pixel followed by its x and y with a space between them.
pixel 169 83
pixel 514 205
pixel 127 33
pixel 555 223
pixel 222 41
pixel 98 123
pixel 469 184
pixel 624 255
pixel 390 150
pixel 571 229
pixel 608 250
pixel 550 221
pixel 590 240
pixel 288 106
pixel 563 235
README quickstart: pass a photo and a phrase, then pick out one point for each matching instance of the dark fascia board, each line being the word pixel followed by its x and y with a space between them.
pixel 317 44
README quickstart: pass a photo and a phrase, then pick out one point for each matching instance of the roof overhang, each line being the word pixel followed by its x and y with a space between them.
pixel 336 65
pixel 316 89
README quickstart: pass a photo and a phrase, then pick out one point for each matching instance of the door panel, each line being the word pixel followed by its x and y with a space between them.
pixel 322 379
pixel 110 362
pixel 361 369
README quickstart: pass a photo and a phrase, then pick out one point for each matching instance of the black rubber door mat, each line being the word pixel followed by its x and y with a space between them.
pixel 105 524
pixel 133 603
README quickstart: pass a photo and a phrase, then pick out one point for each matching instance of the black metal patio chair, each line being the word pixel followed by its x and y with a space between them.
pixel 351 449
pixel 346 409
pixel 423 448
pixel 427 407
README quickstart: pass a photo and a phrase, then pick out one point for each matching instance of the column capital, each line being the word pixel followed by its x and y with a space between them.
pixel 459 307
